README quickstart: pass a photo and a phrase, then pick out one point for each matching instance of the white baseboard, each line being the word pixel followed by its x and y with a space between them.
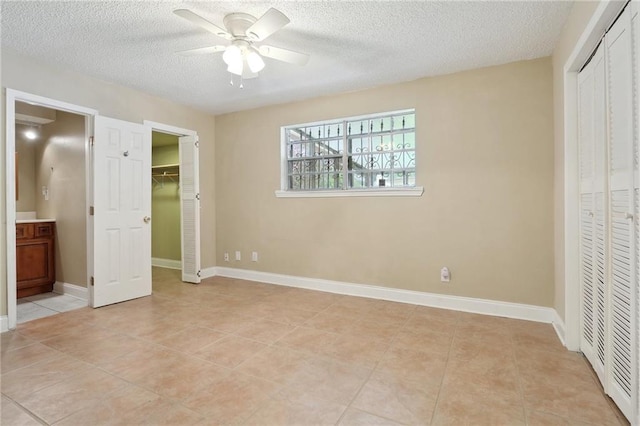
pixel 558 325
pixel 71 290
pixel 166 263
pixel 208 272
pixel 4 323
pixel 458 303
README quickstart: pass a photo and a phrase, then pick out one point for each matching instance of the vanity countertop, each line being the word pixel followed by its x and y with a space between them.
pixel 34 220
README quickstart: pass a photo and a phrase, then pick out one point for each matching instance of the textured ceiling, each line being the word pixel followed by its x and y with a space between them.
pixel 353 44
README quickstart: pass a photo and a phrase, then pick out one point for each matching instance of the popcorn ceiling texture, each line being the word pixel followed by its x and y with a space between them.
pixel 353 45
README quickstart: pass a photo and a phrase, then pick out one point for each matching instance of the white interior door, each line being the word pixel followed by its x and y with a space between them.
pixel 122 211
pixel 190 209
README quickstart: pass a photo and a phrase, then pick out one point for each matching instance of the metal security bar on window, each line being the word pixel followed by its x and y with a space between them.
pixel 366 152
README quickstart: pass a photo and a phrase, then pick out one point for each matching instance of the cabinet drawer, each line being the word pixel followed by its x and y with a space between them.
pixel 44 229
pixel 24 231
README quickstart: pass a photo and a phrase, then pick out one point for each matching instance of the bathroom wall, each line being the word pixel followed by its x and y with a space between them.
pixel 165 206
pixel 60 166
pixel 26 150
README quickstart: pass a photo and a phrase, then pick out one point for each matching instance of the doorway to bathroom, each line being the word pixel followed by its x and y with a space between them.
pixel 50 211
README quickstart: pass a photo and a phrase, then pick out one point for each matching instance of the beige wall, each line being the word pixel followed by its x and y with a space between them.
pixel 60 166
pixel 29 75
pixel 26 150
pixel 485 159
pixel 165 208
pixel 574 26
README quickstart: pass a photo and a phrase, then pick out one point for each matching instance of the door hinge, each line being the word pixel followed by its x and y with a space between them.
pixel 197 143
pixel 198 274
pixel 91 210
pixel 198 196
pixel 92 282
pixel 92 141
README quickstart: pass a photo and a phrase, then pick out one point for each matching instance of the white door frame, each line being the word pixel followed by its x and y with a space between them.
pixel 11 97
pixel 176 131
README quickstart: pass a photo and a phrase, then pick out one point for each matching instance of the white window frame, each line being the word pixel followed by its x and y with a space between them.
pixel 285 192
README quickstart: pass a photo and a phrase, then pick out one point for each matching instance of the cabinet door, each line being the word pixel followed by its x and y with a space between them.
pixel 35 263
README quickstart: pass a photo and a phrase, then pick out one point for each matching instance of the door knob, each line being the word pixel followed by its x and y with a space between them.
pixel 147 219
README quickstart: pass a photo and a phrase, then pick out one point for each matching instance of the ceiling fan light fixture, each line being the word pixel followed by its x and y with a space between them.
pixel 232 55
pixel 254 60
pixel 236 67
pixel 244 60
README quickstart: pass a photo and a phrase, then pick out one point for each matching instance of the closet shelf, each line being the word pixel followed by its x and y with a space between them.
pixel 165 171
pixel 166 166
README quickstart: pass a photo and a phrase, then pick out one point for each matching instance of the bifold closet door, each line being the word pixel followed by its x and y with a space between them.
pixel 609 117
pixel 592 153
pixel 623 190
pixel 190 209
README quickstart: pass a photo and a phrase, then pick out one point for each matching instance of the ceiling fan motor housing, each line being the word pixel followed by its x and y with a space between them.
pixel 238 23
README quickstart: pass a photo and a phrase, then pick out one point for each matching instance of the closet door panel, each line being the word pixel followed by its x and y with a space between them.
pixel 587 209
pixel 635 77
pixel 622 290
pixel 600 286
pixel 601 251
pixel 587 275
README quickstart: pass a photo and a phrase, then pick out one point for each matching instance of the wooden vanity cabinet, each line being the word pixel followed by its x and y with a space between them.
pixel 35 258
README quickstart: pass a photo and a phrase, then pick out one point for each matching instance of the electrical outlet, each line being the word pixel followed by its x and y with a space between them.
pixel 226 257
pixel 238 256
pixel 445 275
pixel 254 256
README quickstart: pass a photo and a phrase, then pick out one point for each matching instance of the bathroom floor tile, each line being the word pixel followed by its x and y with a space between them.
pixel 46 304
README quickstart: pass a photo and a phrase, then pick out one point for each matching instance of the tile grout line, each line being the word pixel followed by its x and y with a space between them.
pixel 373 370
pixel 519 374
pixel 435 406
pixel 29 412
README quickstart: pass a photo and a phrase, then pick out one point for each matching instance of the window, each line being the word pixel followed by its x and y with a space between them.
pixel 368 153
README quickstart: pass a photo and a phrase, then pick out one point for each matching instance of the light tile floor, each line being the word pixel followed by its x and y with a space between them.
pixel 236 352
pixel 45 305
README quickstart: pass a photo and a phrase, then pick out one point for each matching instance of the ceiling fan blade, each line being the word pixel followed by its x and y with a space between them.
pixel 202 50
pixel 268 24
pixel 202 23
pixel 284 55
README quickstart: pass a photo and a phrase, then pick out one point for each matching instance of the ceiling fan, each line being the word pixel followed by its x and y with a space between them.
pixel 242 56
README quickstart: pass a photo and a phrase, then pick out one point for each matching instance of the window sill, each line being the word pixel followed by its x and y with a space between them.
pixel 379 192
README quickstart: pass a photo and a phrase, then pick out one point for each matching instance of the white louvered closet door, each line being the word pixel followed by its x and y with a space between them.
pixel 622 382
pixel 592 151
pixel 190 209
pixel 609 116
